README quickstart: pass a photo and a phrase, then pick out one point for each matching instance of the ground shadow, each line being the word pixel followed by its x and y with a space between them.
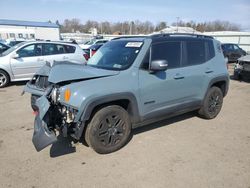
pixel 162 123
pixel 21 83
pixel 63 146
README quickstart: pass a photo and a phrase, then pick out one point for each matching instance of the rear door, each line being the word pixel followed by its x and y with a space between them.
pixel 29 60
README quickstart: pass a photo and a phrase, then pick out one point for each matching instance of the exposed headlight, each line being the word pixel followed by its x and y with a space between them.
pixel 55 95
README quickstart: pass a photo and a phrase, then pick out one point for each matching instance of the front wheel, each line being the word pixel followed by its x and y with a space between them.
pixel 212 103
pixel 4 79
pixel 109 129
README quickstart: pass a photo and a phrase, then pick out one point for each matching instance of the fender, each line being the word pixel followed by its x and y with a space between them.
pixel 219 79
pixel 86 111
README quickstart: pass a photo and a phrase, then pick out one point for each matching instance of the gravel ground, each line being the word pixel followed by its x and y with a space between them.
pixel 184 151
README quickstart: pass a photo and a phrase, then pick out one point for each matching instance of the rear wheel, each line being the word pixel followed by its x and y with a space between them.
pixel 212 103
pixel 4 79
pixel 109 129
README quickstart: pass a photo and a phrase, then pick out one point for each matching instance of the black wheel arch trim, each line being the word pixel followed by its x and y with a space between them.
pixel 133 109
pixel 224 78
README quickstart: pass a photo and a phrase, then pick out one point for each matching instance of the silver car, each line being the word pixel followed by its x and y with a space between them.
pixel 22 60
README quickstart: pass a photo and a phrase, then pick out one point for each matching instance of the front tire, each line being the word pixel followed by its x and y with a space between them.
pixel 212 103
pixel 4 79
pixel 108 130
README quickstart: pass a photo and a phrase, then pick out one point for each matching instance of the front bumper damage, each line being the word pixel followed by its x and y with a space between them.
pixel 42 136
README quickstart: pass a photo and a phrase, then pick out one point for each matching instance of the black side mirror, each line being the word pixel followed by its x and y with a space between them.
pixel 158 65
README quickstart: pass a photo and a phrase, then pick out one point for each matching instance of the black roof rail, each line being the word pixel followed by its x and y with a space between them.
pixel 181 35
pixel 132 36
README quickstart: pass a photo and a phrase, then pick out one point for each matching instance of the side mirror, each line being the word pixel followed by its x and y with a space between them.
pixel 158 65
pixel 15 56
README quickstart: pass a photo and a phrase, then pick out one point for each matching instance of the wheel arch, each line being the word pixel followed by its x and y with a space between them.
pixel 126 100
pixel 221 82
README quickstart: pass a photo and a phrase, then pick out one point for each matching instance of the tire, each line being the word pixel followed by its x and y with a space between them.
pixel 4 79
pixel 33 102
pixel 212 103
pixel 108 130
pixel 236 76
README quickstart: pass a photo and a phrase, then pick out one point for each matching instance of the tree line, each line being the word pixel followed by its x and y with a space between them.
pixel 139 27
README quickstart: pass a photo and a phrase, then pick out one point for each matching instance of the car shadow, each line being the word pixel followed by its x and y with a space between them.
pixel 163 123
pixel 63 146
pixel 21 83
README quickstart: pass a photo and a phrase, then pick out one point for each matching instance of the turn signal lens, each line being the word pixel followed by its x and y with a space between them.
pixel 67 95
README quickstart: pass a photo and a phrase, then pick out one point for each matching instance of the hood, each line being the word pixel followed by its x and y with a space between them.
pixel 66 71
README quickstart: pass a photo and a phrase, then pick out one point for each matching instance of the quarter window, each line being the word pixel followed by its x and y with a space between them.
pixel 170 51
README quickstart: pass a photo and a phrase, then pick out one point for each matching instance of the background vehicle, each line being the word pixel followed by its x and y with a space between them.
pixel 93 49
pixel 92 42
pixel 129 82
pixel 22 60
pixel 3 47
pixel 242 68
pixel 232 51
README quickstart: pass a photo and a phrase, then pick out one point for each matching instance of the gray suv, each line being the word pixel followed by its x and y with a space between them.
pixel 129 82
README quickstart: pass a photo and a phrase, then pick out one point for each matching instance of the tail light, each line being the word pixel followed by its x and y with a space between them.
pixel 86 56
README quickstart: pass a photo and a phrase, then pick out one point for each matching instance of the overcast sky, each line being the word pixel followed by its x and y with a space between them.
pixel 236 11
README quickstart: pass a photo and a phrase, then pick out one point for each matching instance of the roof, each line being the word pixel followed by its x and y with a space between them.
pixel 28 23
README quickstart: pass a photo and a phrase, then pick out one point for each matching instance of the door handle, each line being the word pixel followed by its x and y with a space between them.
pixel 178 76
pixel 39 59
pixel 64 57
pixel 208 71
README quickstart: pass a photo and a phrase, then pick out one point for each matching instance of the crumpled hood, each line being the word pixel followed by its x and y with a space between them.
pixel 66 71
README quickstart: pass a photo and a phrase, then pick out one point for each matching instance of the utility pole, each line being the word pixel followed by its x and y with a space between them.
pixel 177 24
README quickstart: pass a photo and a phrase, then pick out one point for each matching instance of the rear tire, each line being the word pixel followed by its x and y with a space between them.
pixel 108 130
pixel 212 103
pixel 4 79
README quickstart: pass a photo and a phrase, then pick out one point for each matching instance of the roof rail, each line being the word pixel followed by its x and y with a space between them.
pixel 181 35
pixel 132 36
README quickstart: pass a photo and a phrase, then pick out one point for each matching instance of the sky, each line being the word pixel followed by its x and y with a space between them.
pixel 235 11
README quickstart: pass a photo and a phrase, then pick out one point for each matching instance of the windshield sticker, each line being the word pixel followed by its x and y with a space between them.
pixel 133 44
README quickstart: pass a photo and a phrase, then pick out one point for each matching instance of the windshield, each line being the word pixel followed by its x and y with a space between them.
pixel 116 55
pixel 12 49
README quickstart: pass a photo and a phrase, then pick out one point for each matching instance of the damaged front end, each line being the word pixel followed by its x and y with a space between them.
pixel 52 117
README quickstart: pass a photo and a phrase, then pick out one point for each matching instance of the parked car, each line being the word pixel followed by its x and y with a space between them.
pixel 12 41
pixel 92 49
pixel 129 82
pixel 22 60
pixel 232 51
pixel 242 68
pixel 3 47
pixel 92 42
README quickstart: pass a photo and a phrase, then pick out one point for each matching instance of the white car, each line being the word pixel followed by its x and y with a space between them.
pixel 92 42
pixel 23 60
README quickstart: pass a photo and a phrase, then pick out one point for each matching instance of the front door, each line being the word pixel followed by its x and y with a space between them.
pixel 29 60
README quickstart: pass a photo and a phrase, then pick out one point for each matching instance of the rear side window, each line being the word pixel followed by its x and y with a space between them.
pixel 196 53
pixel 69 49
pixel 49 49
pixel 209 50
pixel 170 51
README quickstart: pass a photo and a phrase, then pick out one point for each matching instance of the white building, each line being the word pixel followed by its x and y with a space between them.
pixel 15 29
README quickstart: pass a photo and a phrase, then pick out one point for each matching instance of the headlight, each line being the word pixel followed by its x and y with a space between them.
pixel 55 95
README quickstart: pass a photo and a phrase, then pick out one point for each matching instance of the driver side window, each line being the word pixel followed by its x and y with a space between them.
pixel 30 51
